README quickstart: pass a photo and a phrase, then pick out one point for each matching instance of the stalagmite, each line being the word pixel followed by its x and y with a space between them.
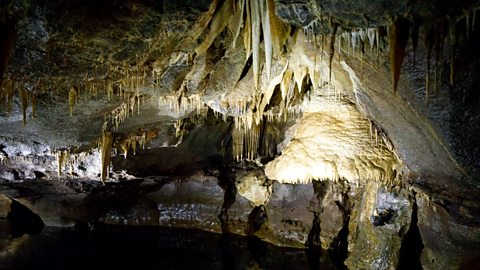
pixel 398 36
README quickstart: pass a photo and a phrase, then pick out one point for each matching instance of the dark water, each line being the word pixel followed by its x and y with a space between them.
pixel 148 248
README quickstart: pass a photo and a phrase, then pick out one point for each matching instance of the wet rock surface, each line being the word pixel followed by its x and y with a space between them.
pixel 378 224
pixel 193 202
pixel 448 241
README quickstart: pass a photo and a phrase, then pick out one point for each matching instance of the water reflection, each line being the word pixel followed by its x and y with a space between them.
pixel 146 248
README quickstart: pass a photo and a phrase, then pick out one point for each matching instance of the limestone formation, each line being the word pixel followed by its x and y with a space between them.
pixel 266 118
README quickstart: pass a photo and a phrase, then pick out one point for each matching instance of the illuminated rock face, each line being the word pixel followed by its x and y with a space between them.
pixel 333 141
pixel 299 122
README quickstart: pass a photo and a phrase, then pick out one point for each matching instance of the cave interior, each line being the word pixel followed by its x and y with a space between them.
pixel 346 133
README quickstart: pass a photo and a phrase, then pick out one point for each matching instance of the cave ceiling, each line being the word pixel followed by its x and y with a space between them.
pixel 104 89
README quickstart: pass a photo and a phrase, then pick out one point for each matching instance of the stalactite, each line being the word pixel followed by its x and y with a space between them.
pixel 415 28
pixel 67 159
pixel 267 35
pixel 370 129
pixel 59 156
pixel 201 24
pixel 312 73
pixel 260 18
pixel 467 24
pixel 24 96
pixel 109 88
pixel 63 158
pixel 72 99
pixel 285 84
pixel 440 34
pixel 7 42
pixel 256 19
pixel 354 36
pixel 333 34
pixel 129 142
pixel 245 141
pixel 125 146
pixel 371 38
pixel 182 104
pixel 339 41
pixel 362 35
pixel 428 41
pixel 10 93
pixel 236 21
pixel 217 24
pixel 237 144
pixel 452 35
pixel 377 38
pixel 473 20
pixel 124 110
pixel 179 127
pixel 247 33
pixel 268 93
pixel 349 41
pixel 105 152
pixel 280 31
pixel 398 36
pixel 33 100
